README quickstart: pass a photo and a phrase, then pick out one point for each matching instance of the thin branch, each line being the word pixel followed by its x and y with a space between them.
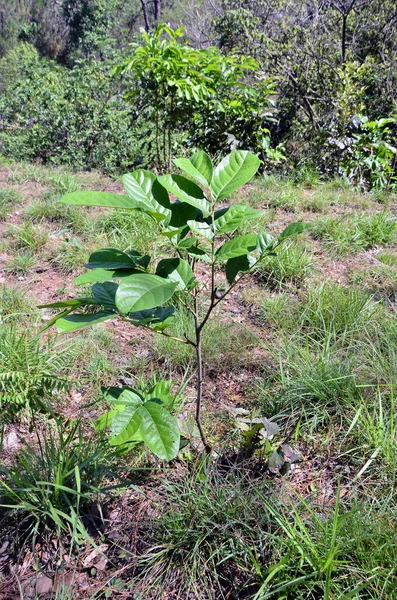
pixel 171 337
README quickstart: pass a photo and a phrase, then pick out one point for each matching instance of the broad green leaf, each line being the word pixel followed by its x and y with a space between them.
pixel 199 166
pixel 237 246
pixel 103 275
pixel 105 293
pixel 57 317
pixel 238 264
pixel 162 391
pixel 178 270
pixel 293 229
pixel 182 212
pixel 172 233
pixel 264 243
pixel 158 318
pixel 233 217
pixel 188 243
pixel 152 423
pixel 121 396
pixel 73 322
pixel 203 163
pixel 97 199
pixel 275 462
pixel 147 195
pixel 122 420
pixel 111 258
pixel 203 229
pixel 143 291
pixel 127 426
pixel 186 191
pixel 159 430
pixel 161 324
pixel 232 172
pixel 105 420
pixel 199 254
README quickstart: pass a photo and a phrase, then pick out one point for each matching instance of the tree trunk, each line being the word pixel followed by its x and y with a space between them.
pixel 145 15
pixel 343 47
pixel 157 10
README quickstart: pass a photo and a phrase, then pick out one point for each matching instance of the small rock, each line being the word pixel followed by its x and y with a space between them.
pixel 11 441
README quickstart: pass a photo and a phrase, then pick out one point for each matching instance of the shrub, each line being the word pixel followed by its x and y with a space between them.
pixel 75 117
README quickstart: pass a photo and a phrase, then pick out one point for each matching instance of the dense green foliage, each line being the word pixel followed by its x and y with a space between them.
pixel 297 83
pixel 199 95
pixel 75 117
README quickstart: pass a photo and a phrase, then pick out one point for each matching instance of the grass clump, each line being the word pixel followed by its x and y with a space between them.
pixel 334 312
pixel 380 280
pixel 22 263
pixel 210 539
pixel 327 314
pixel 28 237
pixel 51 487
pixel 313 386
pixel 31 370
pixel 128 230
pixel 16 304
pixel 49 209
pixel 278 311
pixel 354 234
pixel 388 258
pixel 8 198
pixel 291 265
pixel 68 256
pixel 225 535
pixel 274 192
pixel 330 551
pixel 65 183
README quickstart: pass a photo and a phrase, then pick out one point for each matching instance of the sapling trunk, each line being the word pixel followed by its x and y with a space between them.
pixel 199 388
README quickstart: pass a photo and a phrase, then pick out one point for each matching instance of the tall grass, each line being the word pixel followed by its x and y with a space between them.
pixel 357 233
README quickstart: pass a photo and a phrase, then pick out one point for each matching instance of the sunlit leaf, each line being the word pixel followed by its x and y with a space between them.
pixel 199 166
pixel 201 229
pixel 143 291
pixel 232 172
pixel 100 275
pixel 176 269
pixel 293 229
pixel 112 258
pixel 74 322
pixel 108 199
pixel 233 217
pixel 147 195
pixel 159 430
pixel 186 191
pixel 237 246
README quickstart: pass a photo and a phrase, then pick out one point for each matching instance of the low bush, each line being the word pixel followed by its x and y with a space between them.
pixel 74 117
